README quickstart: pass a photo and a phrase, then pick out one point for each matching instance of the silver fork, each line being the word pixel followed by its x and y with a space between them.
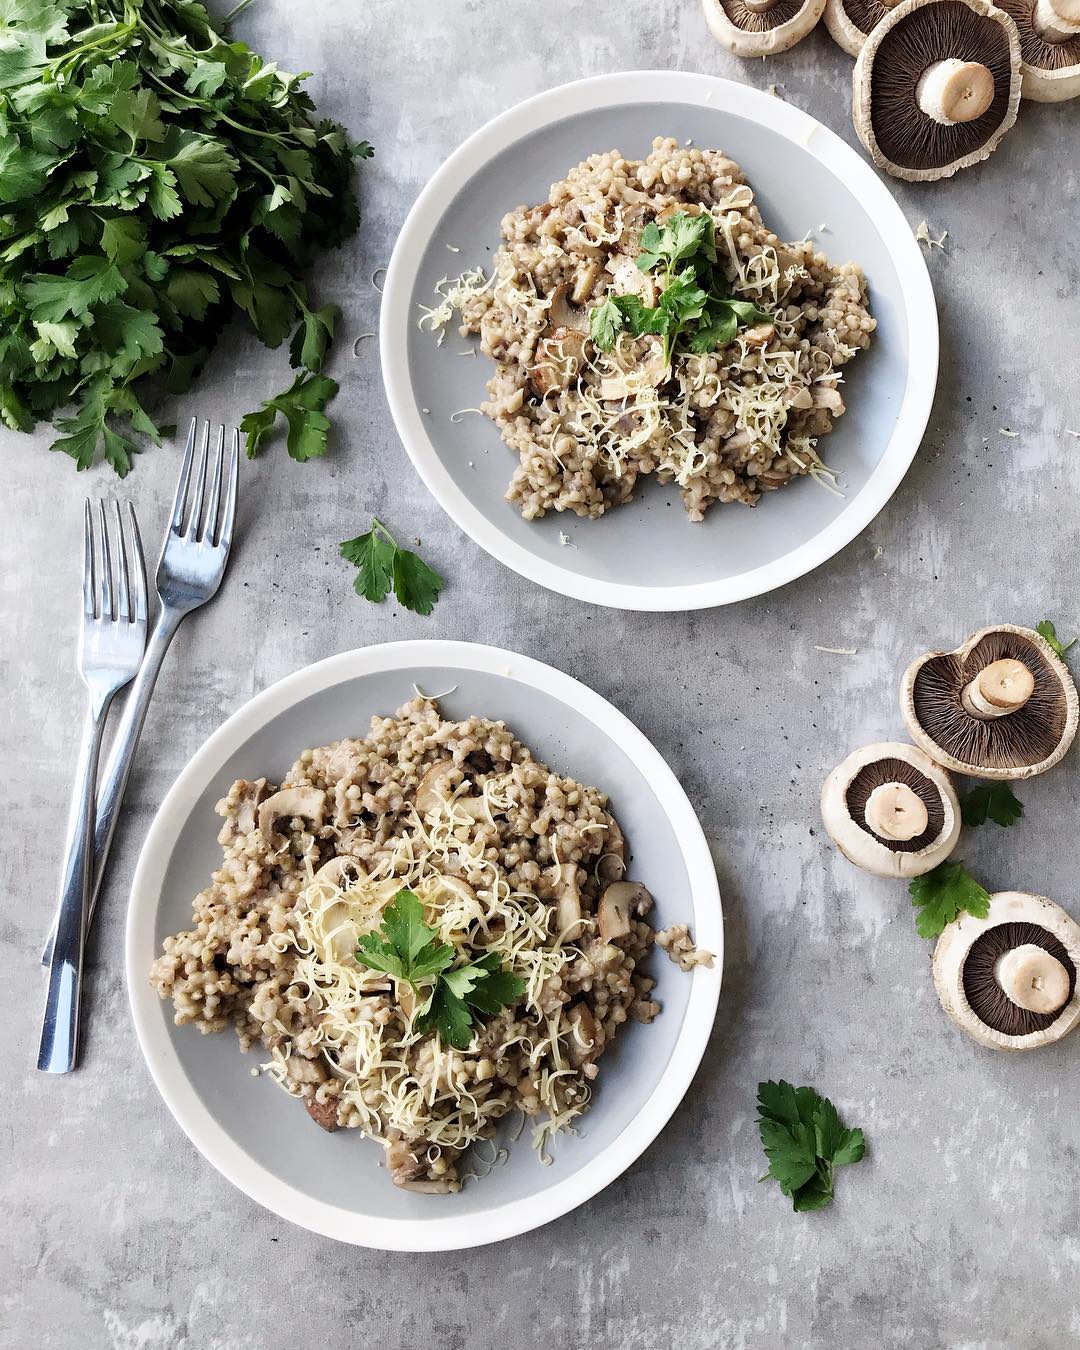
pixel 111 642
pixel 192 563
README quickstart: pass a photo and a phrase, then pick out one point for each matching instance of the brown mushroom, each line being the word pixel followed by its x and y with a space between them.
pixel 761 27
pixel 891 810
pixel 1001 706
pixel 309 803
pixel 850 22
pixel 936 87
pixel 1009 979
pixel 617 902
pixel 1050 47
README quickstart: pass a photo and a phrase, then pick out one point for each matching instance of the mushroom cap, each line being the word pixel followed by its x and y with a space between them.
pixel 900 137
pixel 1050 70
pixel 1026 742
pixel 967 954
pixel 847 790
pixel 761 32
pixel 850 22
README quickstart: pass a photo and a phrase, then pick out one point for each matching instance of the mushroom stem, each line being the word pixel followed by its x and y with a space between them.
pixel 1001 688
pixel 953 91
pixel 759 6
pixel 896 811
pixel 1057 20
pixel 1033 979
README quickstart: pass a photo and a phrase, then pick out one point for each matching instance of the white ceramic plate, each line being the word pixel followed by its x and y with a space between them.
pixel 647 554
pixel 260 1138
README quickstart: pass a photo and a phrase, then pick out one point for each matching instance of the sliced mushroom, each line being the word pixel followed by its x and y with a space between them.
pixel 582 1042
pixel 648 373
pixel 1009 979
pixel 1050 47
pixel 891 810
pixel 563 884
pixel 585 280
pixel 761 27
pixel 559 360
pixel 435 792
pixel 563 314
pixel 1001 706
pixel 680 209
pixel 339 871
pixel 611 865
pixel 309 803
pixel 936 87
pixel 759 335
pixel 628 279
pixel 617 903
pixel 324 1114
pixel 850 22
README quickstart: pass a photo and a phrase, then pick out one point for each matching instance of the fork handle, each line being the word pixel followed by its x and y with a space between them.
pixel 58 1051
pixel 114 779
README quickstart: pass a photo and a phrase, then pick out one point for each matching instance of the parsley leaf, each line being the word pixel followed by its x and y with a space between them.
pixel 382 564
pixel 943 894
pixel 410 950
pixel 804 1141
pixel 991 801
pixel 1046 629
pixel 605 324
pixel 302 407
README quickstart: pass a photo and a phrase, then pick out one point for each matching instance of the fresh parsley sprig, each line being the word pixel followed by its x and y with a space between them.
pixel 383 565
pixel 943 894
pixel 991 801
pixel 411 951
pixel 1046 629
pixel 157 178
pixel 693 302
pixel 805 1142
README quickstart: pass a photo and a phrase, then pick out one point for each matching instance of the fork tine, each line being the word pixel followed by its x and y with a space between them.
pixel 106 565
pixel 140 565
pixel 209 533
pixel 123 594
pixel 89 587
pixel 191 534
pixel 229 517
pixel 185 474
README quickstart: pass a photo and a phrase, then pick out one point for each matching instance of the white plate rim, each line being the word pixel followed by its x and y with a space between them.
pixel 649 86
pixel 198 1123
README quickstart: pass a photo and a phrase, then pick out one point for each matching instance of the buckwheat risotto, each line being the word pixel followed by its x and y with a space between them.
pixel 620 350
pixel 428 930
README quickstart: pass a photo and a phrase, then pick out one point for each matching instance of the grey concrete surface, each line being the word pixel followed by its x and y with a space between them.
pixel 962 1227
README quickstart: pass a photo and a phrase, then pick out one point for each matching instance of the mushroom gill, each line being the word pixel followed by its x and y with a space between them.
pixel 760 16
pixel 1027 736
pixel 905 135
pixel 988 1001
pixel 882 772
pixel 1035 49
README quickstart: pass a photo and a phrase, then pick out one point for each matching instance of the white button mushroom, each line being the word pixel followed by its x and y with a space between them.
pixel 891 810
pixel 1009 980
pixel 752 28
pixel 1002 706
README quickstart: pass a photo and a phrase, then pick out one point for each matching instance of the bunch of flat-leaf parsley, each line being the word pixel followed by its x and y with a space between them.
pixel 453 998
pixel 693 301
pixel 155 178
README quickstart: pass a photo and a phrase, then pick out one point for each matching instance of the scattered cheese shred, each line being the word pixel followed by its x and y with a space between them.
pixel 923 235
pixel 838 651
